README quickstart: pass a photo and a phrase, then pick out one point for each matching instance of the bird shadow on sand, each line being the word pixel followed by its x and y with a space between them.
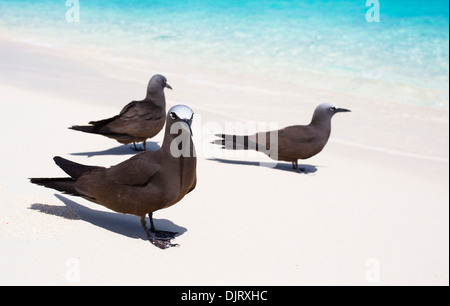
pixel 120 150
pixel 304 169
pixel 126 225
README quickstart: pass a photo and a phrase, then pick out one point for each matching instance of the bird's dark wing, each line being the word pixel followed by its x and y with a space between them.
pixel 133 110
pixel 141 110
pixel 131 119
pixel 128 107
pixel 299 134
pixel 294 140
pixel 137 170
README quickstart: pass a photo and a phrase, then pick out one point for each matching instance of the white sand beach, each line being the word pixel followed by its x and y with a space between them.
pixel 371 209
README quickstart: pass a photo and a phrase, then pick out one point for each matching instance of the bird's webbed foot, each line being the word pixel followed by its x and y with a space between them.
pixel 163 235
pixel 162 243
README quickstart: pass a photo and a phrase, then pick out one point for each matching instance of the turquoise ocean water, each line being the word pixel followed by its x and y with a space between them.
pixel 409 46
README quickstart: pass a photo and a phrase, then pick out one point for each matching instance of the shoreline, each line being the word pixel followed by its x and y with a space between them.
pixel 413 130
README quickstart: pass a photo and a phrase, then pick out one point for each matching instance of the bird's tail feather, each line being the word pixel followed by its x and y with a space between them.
pixel 95 127
pixel 86 128
pixel 73 169
pixel 104 121
pixel 101 128
pixel 236 142
pixel 65 185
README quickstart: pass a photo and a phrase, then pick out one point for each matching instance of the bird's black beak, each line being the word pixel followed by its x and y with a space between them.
pixel 188 122
pixel 342 110
pixel 168 86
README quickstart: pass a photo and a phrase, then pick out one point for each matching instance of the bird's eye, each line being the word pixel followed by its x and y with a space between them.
pixel 332 108
pixel 173 115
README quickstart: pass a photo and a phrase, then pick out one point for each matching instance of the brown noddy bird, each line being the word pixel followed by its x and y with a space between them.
pixel 145 183
pixel 138 120
pixel 293 143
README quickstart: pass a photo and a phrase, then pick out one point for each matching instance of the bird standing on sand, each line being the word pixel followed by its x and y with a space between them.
pixel 293 143
pixel 142 184
pixel 138 120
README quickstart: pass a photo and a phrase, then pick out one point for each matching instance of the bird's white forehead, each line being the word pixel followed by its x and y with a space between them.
pixel 182 111
pixel 325 105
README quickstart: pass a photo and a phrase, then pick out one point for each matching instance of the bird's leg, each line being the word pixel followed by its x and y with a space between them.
pixel 295 166
pixel 145 145
pixel 162 244
pixel 160 234
pixel 135 148
pixel 143 223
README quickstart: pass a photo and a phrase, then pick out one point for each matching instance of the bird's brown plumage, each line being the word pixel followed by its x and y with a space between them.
pixel 145 183
pixel 138 120
pixel 291 143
